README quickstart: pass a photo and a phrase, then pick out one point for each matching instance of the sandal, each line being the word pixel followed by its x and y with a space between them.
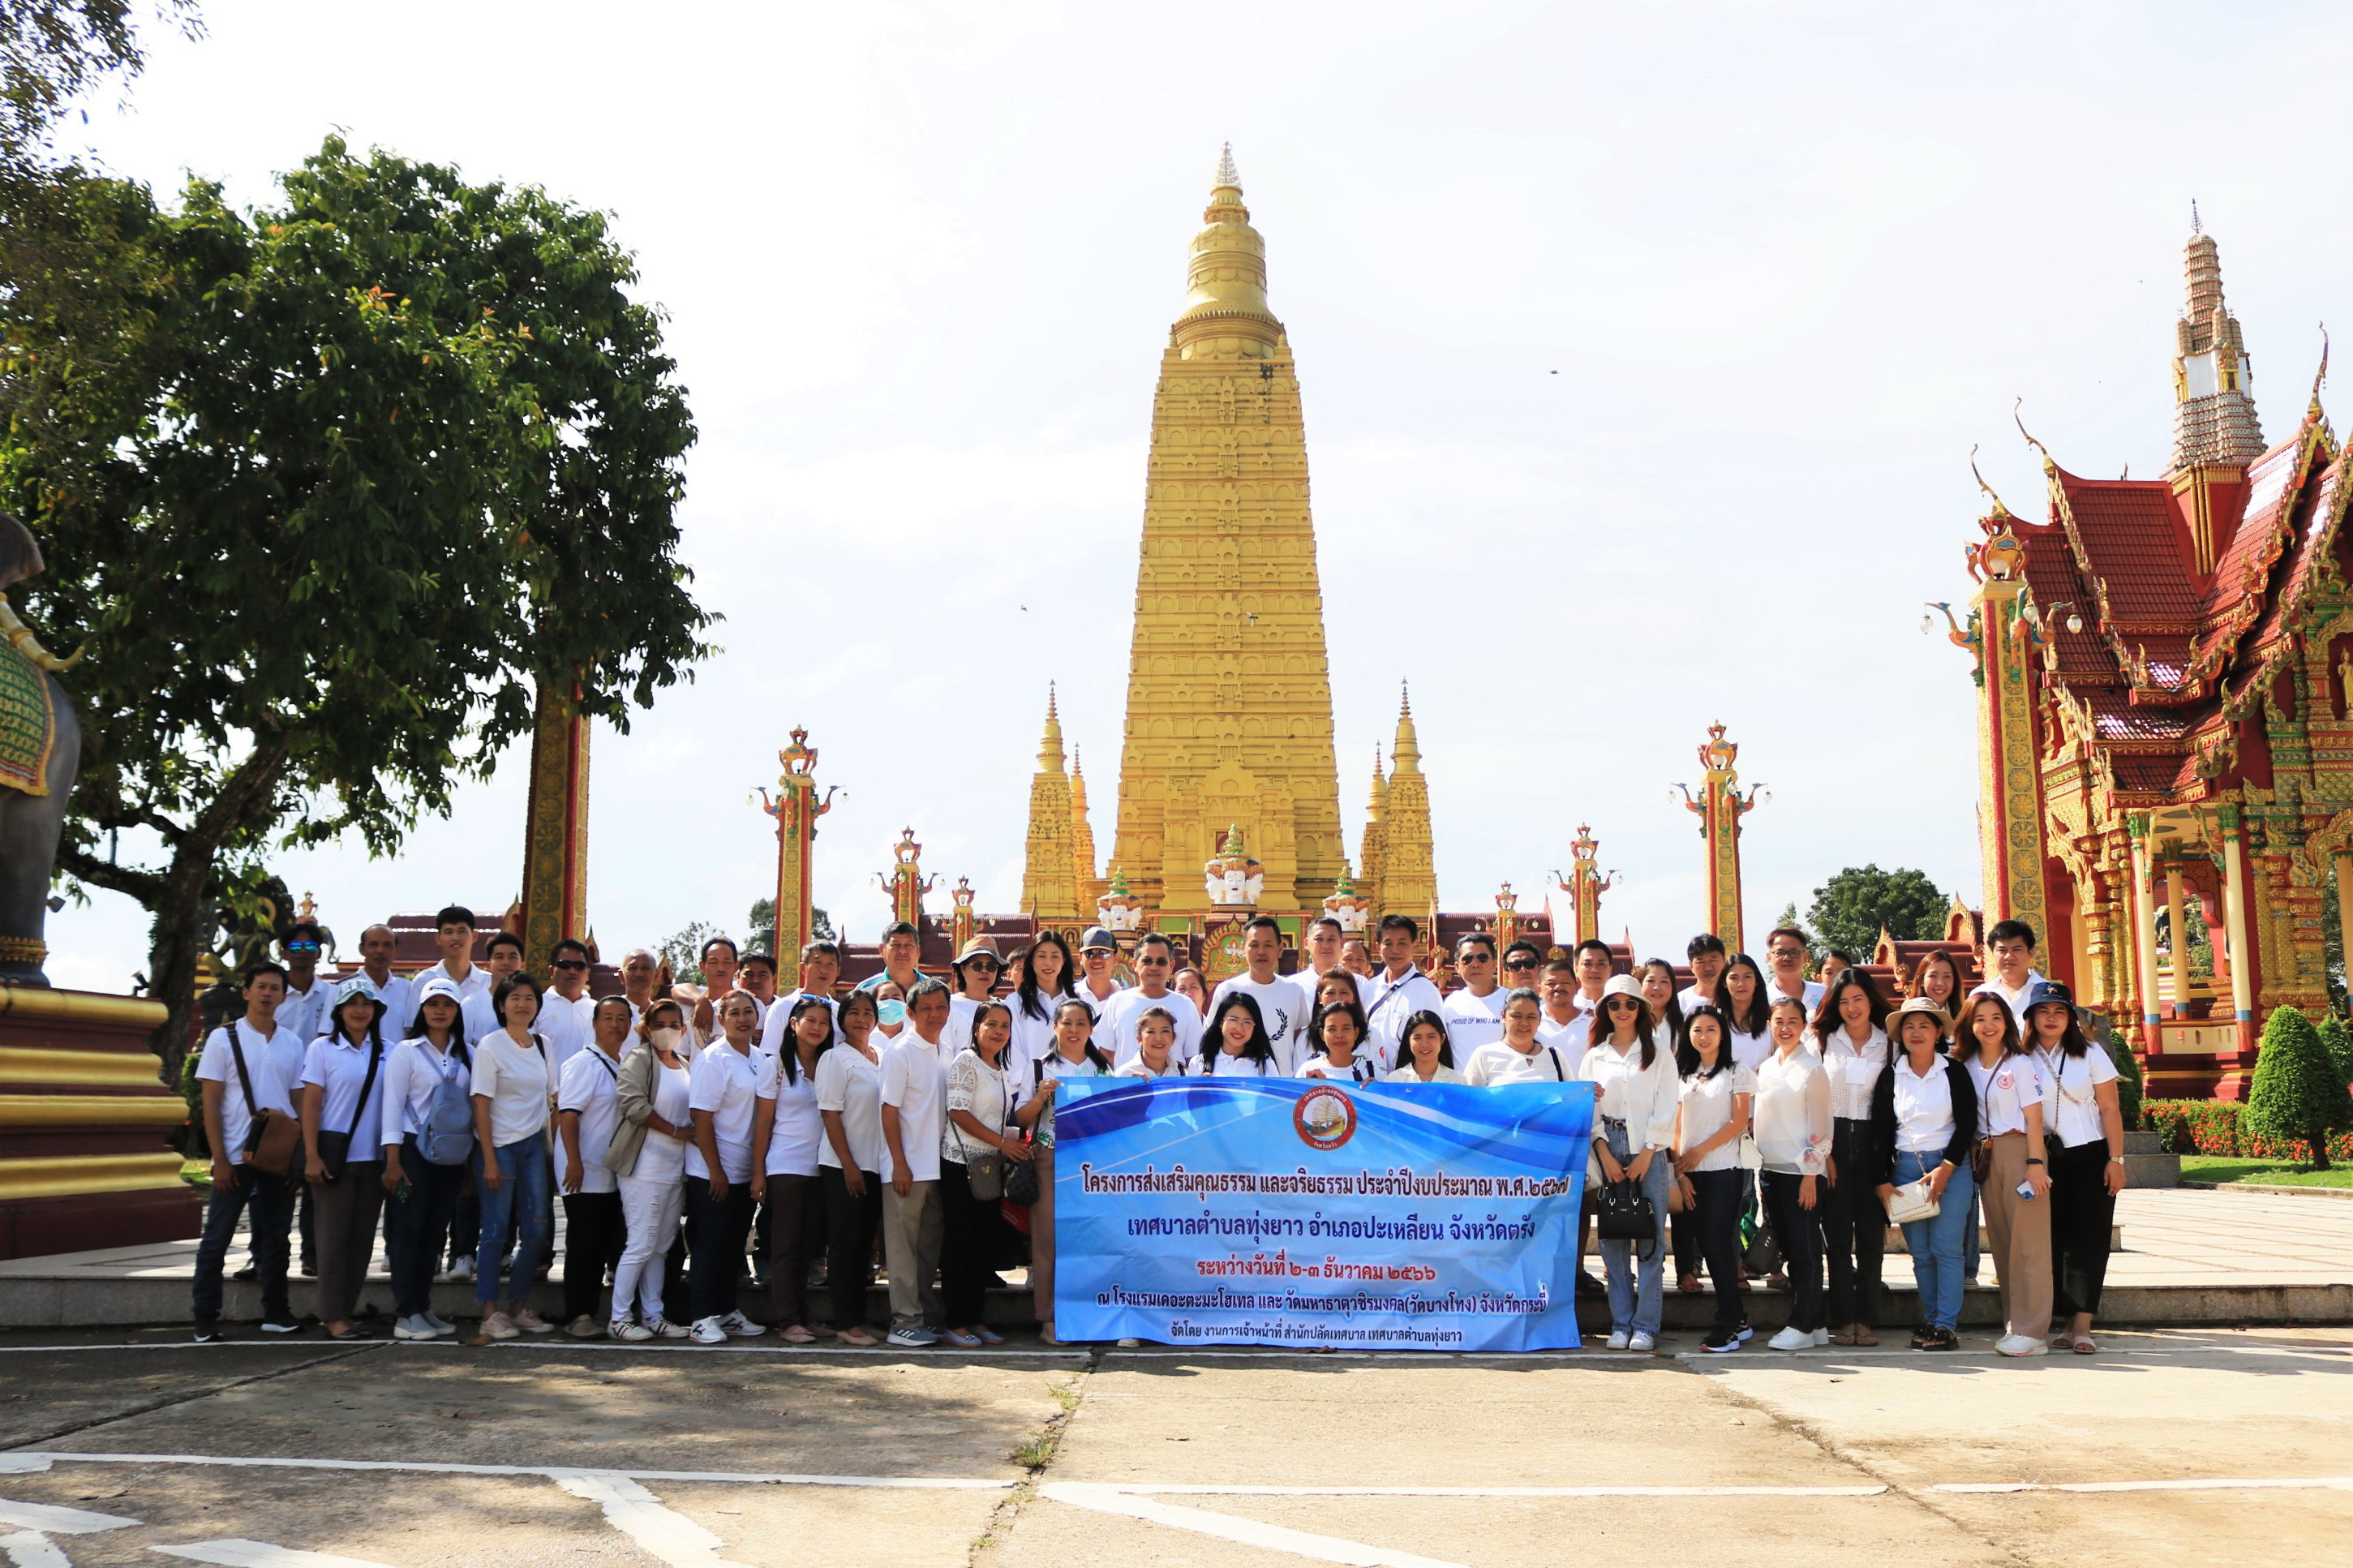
pixel 1919 1338
pixel 858 1336
pixel 1688 1283
pixel 1863 1336
pixel 1843 1337
pixel 797 1335
pixel 2082 1344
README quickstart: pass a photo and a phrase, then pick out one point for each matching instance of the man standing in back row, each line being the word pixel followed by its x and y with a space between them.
pixel 1401 990
pixel 1278 998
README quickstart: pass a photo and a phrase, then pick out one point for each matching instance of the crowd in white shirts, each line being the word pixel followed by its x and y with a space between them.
pixel 914 1117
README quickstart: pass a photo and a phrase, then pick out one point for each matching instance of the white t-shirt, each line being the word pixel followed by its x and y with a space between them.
pixel 2015 999
pixel 1403 1073
pixel 1570 1039
pixel 1115 1030
pixel 1095 1004
pixel 723 1081
pixel 515 1080
pixel 400 1005
pixel 1473 1020
pixel 2070 1097
pixel 1136 1069
pixel 915 1083
pixel 1033 1038
pixel 568 1025
pixel 662 1158
pixel 1394 1001
pixel 1749 1051
pixel 851 1087
pixel 1307 979
pixel 1279 1007
pixel 586 1085
pixel 1811 1000
pixel 779 1013
pixel 334 1063
pixel 412 1070
pixel 798 1129
pixel 1361 1069
pixel 271 1089
pixel 1223 1064
pixel 305 1012
pixel 1497 1063
pixel 2004 1093
pixel 1706 1106
pixel 1691 997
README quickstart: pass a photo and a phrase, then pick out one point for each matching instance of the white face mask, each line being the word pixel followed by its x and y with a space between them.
pixel 668 1039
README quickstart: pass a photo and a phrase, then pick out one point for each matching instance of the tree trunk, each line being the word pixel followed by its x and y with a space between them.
pixel 183 909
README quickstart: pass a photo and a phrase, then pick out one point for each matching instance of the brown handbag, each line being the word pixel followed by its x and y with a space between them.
pixel 273 1140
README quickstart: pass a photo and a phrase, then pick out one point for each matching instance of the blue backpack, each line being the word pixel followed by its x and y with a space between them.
pixel 448 1135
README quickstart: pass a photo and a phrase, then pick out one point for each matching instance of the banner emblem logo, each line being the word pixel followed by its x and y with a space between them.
pixel 1325 1119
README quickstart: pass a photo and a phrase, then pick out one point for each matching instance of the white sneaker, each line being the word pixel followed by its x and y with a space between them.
pixel 1618 1341
pixel 531 1323
pixel 437 1323
pixel 708 1331
pixel 1821 1338
pixel 2020 1345
pixel 623 1328
pixel 412 1328
pixel 1645 1343
pixel 1792 1339
pixel 498 1326
pixel 665 1329
pixel 459 1268
pixel 739 1327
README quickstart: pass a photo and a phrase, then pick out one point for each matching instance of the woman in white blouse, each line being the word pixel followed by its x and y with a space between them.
pixel 1792 1118
pixel 1521 1057
pixel 979 1124
pixel 786 1125
pixel 1339 1029
pixel 1854 1227
pixel 343 1094
pixel 1747 1010
pixel 1712 1114
pixel 2016 1186
pixel 1235 1042
pixel 850 1101
pixel 1923 1114
pixel 1634 1101
pixel 647 1157
pixel 424 1191
pixel 2084 1134
pixel 512 1090
pixel 1429 1053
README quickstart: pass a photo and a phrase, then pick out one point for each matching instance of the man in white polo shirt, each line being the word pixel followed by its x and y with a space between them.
pixel 1708 960
pixel 1155 965
pixel 1278 1000
pixel 1098 970
pixel 1400 990
pixel 914 1113
pixel 243 1077
pixel 1474 1013
pixel 1786 951
pixel 2009 969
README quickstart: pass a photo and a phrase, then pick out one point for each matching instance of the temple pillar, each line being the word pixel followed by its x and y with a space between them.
pixel 2235 899
pixel 796 808
pixel 2010 772
pixel 2344 867
pixel 2180 938
pixel 1585 886
pixel 1719 808
pixel 555 829
pixel 2144 915
pixel 2096 911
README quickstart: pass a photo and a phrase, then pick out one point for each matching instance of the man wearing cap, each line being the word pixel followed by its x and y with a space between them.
pixel 1098 970
pixel 976 977
pixel 1155 965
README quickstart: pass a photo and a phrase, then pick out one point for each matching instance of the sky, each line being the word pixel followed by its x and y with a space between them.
pixel 1643 351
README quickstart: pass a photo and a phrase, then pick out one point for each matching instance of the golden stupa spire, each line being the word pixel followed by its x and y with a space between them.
pixel 1048 888
pixel 1408 877
pixel 1369 848
pixel 1085 885
pixel 1225 313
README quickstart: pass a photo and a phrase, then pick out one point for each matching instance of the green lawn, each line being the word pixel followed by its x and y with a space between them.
pixel 2269 1172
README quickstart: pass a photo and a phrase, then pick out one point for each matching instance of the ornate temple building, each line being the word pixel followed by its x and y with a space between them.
pixel 2166 716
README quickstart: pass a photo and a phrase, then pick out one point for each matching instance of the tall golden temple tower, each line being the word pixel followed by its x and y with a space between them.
pixel 1049 889
pixel 1369 855
pixel 1228 699
pixel 1408 870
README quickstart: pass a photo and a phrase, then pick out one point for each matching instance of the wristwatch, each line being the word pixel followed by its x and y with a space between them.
pixel 2116 1160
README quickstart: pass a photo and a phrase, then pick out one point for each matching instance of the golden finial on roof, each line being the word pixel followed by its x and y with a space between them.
pixel 2312 414
pixel 2049 467
pixel 1227 178
pixel 1050 744
pixel 1407 753
pixel 2000 513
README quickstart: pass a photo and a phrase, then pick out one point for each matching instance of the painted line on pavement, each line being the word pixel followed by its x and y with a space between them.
pixel 31 1549
pixel 549 1472
pixel 669 1537
pixel 52 1520
pixel 1214 1489
pixel 235 1551
pixel 2201 1484
pixel 1226 1527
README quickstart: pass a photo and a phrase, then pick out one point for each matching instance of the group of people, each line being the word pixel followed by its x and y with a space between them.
pixel 685 1126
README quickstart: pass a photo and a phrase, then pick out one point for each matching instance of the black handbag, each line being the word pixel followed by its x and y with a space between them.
pixel 1625 1213
pixel 1021 1180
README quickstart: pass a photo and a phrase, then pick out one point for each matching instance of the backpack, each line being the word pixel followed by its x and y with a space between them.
pixel 447 1136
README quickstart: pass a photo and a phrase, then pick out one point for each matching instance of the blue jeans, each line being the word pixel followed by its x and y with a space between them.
pixel 518 1202
pixel 268 1202
pixel 1633 1279
pixel 1936 1243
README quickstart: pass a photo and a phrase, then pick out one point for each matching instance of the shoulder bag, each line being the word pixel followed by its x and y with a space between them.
pixel 273 1140
pixel 1625 1213
pixel 336 1147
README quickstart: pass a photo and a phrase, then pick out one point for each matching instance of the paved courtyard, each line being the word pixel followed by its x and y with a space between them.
pixel 2206 1448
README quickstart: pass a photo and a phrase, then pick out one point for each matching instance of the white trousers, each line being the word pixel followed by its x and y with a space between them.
pixel 651 1209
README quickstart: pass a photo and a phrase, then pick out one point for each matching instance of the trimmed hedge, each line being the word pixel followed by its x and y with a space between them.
pixel 2212 1127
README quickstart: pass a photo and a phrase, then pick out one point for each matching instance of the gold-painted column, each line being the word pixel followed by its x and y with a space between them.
pixel 555 829
pixel 2344 859
pixel 796 809
pixel 2145 933
pixel 2178 927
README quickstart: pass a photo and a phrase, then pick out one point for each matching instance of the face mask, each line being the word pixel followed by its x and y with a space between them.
pixel 892 1013
pixel 668 1039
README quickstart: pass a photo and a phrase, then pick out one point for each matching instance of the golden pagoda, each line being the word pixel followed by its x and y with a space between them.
pixel 1409 873
pixel 1048 887
pixel 1230 703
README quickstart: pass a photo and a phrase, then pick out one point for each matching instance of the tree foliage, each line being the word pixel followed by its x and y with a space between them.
pixel 2338 1041
pixel 54 51
pixel 682 950
pixel 335 485
pixel 2298 1093
pixel 1850 908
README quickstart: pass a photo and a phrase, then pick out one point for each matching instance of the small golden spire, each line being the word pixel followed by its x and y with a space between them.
pixel 1227 178
pixel 1050 746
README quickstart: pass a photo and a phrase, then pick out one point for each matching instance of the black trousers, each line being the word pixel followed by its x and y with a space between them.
pixel 794 1213
pixel 1801 1230
pixel 850 1227
pixel 2081 1213
pixel 1855 1230
pixel 1713 1224
pixel 967 1244
pixel 716 1229
pixel 593 1233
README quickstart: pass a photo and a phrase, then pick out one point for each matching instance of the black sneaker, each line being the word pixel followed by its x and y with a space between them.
pixel 250 1271
pixel 282 1325
pixel 1722 1341
pixel 1941 1340
pixel 1589 1286
pixel 208 1334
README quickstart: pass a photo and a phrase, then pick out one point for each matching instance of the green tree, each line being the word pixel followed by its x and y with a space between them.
pixel 54 51
pixel 764 928
pixel 682 950
pixel 1852 907
pixel 345 482
pixel 2298 1093
pixel 2338 1040
pixel 2129 1083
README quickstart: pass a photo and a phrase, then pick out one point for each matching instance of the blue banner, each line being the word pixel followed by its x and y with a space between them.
pixel 1298 1212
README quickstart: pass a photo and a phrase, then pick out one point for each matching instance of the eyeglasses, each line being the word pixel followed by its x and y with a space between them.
pixel 301 947
pixel 566 966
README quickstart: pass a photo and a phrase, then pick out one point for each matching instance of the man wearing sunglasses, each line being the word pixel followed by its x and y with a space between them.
pixel 568 1014
pixel 1098 970
pixel 1474 1013
pixel 1155 966
pixel 304 1010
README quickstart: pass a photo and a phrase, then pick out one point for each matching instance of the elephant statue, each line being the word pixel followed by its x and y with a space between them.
pixel 40 754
